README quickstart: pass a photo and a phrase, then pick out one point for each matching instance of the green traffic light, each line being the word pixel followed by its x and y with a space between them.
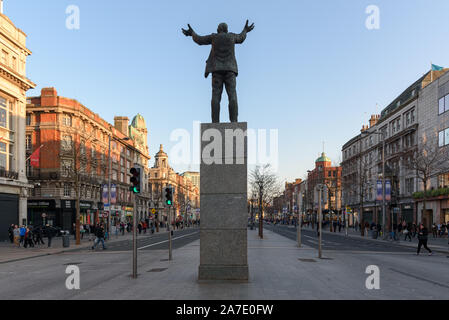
pixel 135 190
pixel 169 202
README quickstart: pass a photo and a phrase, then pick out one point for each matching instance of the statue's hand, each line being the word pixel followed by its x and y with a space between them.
pixel 248 28
pixel 188 33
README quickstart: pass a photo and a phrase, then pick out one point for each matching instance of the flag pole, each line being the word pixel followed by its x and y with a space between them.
pixel 33 153
pixel 431 72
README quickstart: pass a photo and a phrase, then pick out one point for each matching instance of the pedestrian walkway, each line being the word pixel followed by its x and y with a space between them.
pixel 9 252
pixel 278 269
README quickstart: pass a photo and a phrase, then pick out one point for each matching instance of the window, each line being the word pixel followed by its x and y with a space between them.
pixel 28 142
pixel 122 177
pixel 28 120
pixel 66 143
pixel 443 180
pixel 443 104
pixel 443 138
pixel 128 164
pixel 66 167
pixel 114 175
pixel 412 116
pixel 67 120
pixel 14 63
pixel 409 186
pixel 122 161
pixel 3 113
pixel 398 124
pixel 67 190
pixel 5 57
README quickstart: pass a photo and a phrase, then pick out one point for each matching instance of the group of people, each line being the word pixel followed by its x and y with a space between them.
pixel 29 236
pixel 439 230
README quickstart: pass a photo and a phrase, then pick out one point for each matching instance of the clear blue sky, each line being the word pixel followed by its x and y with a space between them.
pixel 310 68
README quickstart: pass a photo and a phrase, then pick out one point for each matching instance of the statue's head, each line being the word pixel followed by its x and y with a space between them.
pixel 222 27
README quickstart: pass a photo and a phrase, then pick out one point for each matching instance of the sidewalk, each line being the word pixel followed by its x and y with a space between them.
pixel 435 244
pixel 278 269
pixel 10 253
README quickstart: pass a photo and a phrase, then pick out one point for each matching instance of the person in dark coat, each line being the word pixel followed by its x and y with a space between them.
pixel 38 236
pixel 99 233
pixel 422 239
pixel 50 232
pixel 11 233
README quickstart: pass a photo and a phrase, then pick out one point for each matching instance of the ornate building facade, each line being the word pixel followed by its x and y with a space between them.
pixel 76 142
pixel 187 193
pixel 13 87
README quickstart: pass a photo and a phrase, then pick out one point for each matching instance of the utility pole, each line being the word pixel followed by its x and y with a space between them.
pixel 298 228
pixel 260 212
pixel 109 187
pixel 320 221
pixel 170 256
pixel 134 236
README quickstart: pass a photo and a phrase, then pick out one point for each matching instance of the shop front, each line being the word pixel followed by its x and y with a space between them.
pixel 42 212
pixel 407 213
pixel 128 213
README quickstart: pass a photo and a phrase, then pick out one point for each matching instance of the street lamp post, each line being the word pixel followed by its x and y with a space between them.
pixel 109 180
pixel 383 177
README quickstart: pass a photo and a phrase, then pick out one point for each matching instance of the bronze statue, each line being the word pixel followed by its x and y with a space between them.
pixel 222 64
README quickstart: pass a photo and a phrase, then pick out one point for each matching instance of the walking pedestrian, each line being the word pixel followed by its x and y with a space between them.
pixel 11 233
pixel 28 240
pixel 50 233
pixel 434 230
pixel 39 236
pixel 422 239
pixel 100 237
pixel 407 233
pixel 23 231
pixel 16 233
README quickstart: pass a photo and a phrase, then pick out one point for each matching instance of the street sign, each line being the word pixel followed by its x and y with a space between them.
pixel 153 211
pixel 44 215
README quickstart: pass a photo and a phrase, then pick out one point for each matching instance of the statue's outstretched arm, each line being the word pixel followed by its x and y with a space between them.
pixel 201 40
pixel 242 36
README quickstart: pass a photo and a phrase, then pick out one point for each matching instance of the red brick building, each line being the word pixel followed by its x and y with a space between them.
pixel 75 140
pixel 325 173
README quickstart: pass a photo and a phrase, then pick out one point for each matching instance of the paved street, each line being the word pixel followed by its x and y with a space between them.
pixel 356 244
pixel 278 270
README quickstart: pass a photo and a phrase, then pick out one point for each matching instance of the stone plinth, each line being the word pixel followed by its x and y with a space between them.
pixel 223 187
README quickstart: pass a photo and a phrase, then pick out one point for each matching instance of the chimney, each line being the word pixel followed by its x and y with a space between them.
pixel 121 124
pixel 373 120
pixel 49 97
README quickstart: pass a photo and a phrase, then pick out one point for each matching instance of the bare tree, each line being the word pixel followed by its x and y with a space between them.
pixel 265 186
pixel 429 161
pixel 74 164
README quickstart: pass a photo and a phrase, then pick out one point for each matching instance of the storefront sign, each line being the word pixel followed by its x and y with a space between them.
pixel 113 193
pixel 104 194
pixel 41 204
pixel 379 190
pixel 387 190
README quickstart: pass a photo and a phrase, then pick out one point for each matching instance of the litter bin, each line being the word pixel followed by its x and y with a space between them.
pixel 66 240
pixel 375 234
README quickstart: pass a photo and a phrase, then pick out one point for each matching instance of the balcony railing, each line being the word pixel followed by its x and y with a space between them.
pixel 8 174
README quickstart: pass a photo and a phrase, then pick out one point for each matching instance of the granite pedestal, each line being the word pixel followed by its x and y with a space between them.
pixel 223 187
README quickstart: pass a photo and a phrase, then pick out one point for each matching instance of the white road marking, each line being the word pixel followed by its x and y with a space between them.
pixel 154 244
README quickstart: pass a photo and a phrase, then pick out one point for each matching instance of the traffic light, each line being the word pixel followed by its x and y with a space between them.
pixel 136 179
pixel 169 196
